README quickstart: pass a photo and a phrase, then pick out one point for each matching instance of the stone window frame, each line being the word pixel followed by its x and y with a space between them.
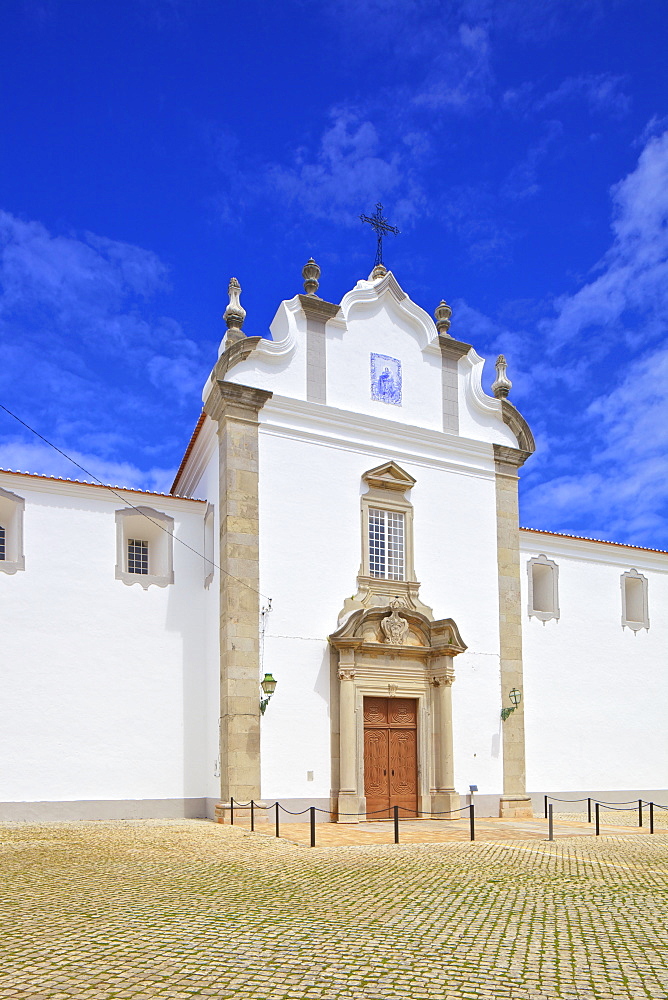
pixel 633 574
pixel 209 544
pixel 387 485
pixel 12 508
pixel 159 533
pixel 554 614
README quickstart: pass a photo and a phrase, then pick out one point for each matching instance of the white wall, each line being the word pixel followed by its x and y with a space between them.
pixel 595 694
pixel 312 459
pixel 102 683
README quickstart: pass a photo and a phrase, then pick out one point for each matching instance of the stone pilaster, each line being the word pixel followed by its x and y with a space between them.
pixel 514 801
pixel 235 408
pixel 349 802
pixel 451 351
pixel 444 798
pixel 317 313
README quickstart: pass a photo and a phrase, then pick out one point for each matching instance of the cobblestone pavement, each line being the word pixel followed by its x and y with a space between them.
pixel 187 909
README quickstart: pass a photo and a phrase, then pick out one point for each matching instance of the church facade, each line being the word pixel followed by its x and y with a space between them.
pixel 345 519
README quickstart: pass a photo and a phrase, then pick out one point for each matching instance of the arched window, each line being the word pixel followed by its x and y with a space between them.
pixel 635 604
pixel 11 532
pixel 543 588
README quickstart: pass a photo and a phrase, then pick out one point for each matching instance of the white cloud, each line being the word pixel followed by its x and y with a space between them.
pixel 82 354
pixel 348 171
pixel 632 283
pixel 601 93
pixel 38 458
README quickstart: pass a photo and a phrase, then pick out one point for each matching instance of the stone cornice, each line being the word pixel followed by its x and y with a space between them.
pixel 229 399
pixel 508 460
pixel 451 348
pixel 520 428
pixel 236 352
pixel 318 309
pixel 343 429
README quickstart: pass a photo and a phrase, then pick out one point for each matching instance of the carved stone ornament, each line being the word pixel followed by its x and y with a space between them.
pixel 443 312
pixel 447 677
pixel 311 274
pixel 395 628
pixel 346 674
pixel 235 313
pixel 502 385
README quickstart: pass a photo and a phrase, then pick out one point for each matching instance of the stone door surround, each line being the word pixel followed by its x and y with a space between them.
pixel 409 662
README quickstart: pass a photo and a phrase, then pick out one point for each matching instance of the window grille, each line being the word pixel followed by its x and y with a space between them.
pixel 386 544
pixel 137 556
pixel 3 543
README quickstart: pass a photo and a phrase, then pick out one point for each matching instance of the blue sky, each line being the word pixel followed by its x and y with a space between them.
pixel 150 149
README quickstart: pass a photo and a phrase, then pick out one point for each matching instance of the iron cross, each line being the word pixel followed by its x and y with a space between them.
pixel 381 228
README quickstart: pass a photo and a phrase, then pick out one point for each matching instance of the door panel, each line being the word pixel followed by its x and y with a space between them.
pixel 390 756
pixel 376 772
pixel 403 770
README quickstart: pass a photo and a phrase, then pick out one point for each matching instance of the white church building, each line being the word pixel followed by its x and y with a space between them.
pixel 345 519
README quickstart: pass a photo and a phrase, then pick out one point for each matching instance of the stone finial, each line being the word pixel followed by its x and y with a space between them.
pixel 502 384
pixel 311 274
pixel 379 271
pixel 443 312
pixel 235 313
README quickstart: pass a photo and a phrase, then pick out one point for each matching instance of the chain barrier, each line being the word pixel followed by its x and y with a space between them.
pixel 415 814
pixel 312 810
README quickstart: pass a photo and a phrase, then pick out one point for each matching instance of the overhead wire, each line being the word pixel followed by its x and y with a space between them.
pixel 130 504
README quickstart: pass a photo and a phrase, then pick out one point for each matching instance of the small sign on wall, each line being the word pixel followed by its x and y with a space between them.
pixel 385 379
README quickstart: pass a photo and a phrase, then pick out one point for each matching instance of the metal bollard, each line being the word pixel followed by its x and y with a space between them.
pixel 550 822
pixel 651 817
pixel 472 820
pixel 396 824
pixel 639 812
pixel 252 816
pixel 231 811
pixel 598 819
pixel 589 810
pixel 545 805
pixel 278 832
pixel 312 812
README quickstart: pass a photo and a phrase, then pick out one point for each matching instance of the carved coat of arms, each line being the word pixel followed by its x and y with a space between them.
pixel 395 628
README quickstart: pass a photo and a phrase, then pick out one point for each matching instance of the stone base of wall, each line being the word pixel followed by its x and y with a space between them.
pixel 515 807
pixel 446 803
pixel 102 809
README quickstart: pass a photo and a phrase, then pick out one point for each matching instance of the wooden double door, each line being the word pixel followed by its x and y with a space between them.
pixel 390 756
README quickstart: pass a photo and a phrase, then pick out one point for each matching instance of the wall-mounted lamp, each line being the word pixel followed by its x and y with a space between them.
pixel 516 697
pixel 268 685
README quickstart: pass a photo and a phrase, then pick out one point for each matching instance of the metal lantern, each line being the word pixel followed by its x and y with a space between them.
pixel 268 684
pixel 515 696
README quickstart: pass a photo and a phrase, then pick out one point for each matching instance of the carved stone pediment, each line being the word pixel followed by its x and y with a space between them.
pixel 411 633
pixel 389 476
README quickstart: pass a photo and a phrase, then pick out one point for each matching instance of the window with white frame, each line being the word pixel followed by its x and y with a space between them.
pixel 11 532
pixel 137 555
pixel 386 544
pixel 144 547
pixel 543 588
pixel 635 603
